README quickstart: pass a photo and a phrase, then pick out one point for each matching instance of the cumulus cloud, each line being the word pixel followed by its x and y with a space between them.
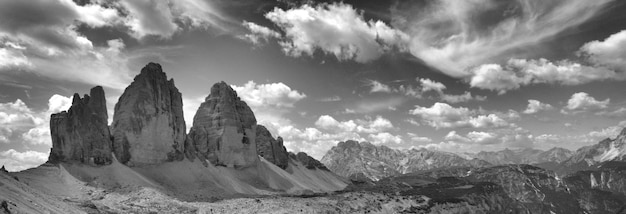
pixel 18 161
pixel 258 34
pixel 376 86
pixel 336 29
pixel 425 85
pixel 22 124
pixel 313 141
pixel 329 123
pixel 609 52
pixel 269 102
pixel 582 101
pixel 271 94
pixel 430 85
pixel 385 138
pixel 535 106
pixel 472 137
pixel 442 115
pixel 521 72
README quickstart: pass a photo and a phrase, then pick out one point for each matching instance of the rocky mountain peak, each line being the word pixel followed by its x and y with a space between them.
pixel 81 134
pixel 148 124
pixel 308 161
pixel 271 149
pixel 376 162
pixel 224 130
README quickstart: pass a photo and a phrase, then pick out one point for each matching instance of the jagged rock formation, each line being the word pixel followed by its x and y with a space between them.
pixel 308 161
pixel 523 156
pixel 376 162
pixel 271 149
pixel 81 133
pixel 148 124
pixel 224 130
pixel 591 157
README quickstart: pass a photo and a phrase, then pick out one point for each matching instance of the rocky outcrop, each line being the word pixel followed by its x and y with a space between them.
pixel 376 162
pixel 308 161
pixel 224 130
pixel 271 149
pixel 81 133
pixel 148 124
pixel 523 156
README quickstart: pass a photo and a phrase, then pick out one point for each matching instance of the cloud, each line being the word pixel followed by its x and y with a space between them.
pixel 313 141
pixel 582 101
pixel 376 105
pixel 535 106
pixel 521 72
pixel 385 138
pixel 18 161
pixel 609 52
pixel 419 139
pixel 429 85
pixel 50 45
pixel 258 34
pixel 11 57
pixel 330 99
pixel 453 36
pixel 426 85
pixel 269 102
pixel 336 29
pixel 442 115
pixel 465 97
pixel 166 18
pixel 329 123
pixel 21 124
pixel 376 86
pixel 147 17
pixel 472 137
pixel 271 94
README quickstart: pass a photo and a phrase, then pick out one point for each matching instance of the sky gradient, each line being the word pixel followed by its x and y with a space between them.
pixel 457 76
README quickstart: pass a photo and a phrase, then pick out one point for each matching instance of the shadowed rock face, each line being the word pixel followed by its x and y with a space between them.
pixel 271 149
pixel 308 161
pixel 148 125
pixel 224 130
pixel 81 133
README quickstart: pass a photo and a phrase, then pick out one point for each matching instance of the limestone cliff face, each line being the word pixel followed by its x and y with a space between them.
pixel 81 133
pixel 271 149
pixel 224 130
pixel 148 124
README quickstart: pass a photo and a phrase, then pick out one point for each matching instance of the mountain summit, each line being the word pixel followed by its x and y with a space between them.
pixel 148 124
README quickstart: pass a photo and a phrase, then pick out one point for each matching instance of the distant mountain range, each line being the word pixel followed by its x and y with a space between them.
pixel 376 162
pixel 351 158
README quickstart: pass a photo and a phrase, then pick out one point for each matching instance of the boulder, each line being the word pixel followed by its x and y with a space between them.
pixel 224 130
pixel 81 134
pixel 271 149
pixel 148 123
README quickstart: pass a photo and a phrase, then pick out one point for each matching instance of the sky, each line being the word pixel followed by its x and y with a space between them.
pixel 449 75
